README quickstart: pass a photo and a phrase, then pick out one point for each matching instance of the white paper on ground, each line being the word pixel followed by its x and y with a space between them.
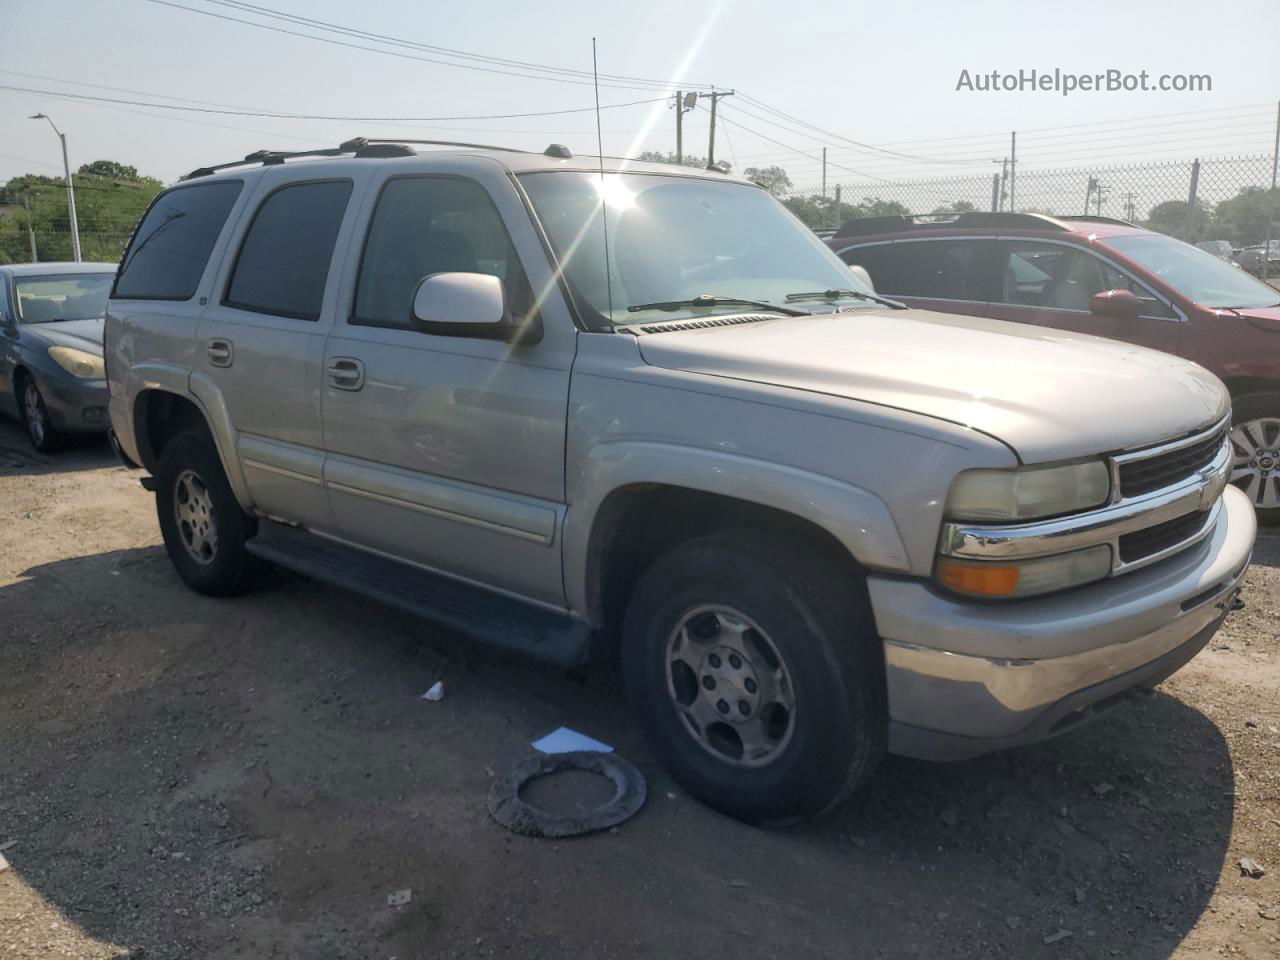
pixel 436 692
pixel 565 740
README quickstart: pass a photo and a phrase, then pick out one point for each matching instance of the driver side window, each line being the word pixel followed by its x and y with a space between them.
pixel 1152 306
pixel 426 225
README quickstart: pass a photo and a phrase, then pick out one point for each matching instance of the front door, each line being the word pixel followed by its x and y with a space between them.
pixel 1051 285
pixel 447 451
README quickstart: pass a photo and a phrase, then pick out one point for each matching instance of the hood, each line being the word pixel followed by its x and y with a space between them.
pixel 1264 318
pixel 1049 394
pixel 81 334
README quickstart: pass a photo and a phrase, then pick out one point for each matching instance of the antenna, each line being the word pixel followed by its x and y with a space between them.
pixel 604 218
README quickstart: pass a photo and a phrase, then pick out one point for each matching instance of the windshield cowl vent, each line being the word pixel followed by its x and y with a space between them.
pixel 672 326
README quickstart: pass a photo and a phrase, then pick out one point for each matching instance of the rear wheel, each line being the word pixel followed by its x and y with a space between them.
pixel 35 415
pixel 203 526
pixel 1255 447
pixel 756 675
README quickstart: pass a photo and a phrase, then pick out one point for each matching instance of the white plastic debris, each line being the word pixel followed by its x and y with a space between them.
pixel 399 898
pixel 4 864
pixel 564 740
pixel 436 692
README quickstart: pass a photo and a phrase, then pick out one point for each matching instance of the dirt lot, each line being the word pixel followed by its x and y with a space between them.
pixel 185 777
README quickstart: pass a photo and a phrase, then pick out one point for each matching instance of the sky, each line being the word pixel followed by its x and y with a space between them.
pixel 878 79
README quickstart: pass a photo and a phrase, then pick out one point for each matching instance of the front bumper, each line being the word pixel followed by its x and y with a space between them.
pixel 966 678
pixel 74 405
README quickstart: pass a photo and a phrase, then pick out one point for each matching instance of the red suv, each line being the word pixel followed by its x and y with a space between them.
pixel 1100 276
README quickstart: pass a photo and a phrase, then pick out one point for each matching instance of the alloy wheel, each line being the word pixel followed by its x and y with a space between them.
pixel 33 410
pixel 1255 465
pixel 730 686
pixel 197 525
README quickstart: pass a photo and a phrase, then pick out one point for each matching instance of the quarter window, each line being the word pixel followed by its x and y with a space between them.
pixel 426 225
pixel 169 250
pixel 284 260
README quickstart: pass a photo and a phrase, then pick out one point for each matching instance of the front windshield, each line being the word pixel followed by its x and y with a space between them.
pixel 1197 275
pixel 675 238
pixel 47 299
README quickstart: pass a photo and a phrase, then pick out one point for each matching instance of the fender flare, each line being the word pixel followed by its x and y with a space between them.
pixel 857 518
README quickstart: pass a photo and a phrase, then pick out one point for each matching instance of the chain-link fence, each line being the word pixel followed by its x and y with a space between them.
pixel 1220 198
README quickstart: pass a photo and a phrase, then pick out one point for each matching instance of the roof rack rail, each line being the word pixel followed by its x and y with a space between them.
pixel 1087 218
pixel 865 226
pixel 365 147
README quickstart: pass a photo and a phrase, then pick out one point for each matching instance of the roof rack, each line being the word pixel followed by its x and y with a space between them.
pixel 1093 219
pixel 364 147
pixel 864 226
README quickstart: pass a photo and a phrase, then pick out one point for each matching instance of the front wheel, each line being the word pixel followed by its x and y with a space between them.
pixel 1255 447
pixel 756 676
pixel 44 437
pixel 203 526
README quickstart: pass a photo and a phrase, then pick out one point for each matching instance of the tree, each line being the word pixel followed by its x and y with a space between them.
pixel 653 156
pixel 1177 218
pixel 773 179
pixel 108 205
pixel 1243 219
pixel 958 207
pixel 109 168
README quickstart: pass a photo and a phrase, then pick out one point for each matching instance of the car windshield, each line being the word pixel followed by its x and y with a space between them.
pixel 674 239
pixel 1197 275
pixel 48 299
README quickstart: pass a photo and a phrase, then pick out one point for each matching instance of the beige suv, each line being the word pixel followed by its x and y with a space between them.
pixel 565 406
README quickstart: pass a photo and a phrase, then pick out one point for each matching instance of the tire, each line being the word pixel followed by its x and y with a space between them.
pixel 730 591
pixel 44 436
pixel 1255 442
pixel 203 526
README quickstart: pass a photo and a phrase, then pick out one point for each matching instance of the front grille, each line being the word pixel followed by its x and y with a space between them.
pixel 1147 543
pixel 1164 470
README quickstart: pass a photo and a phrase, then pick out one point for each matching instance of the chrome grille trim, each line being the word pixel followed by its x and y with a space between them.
pixel 1121 460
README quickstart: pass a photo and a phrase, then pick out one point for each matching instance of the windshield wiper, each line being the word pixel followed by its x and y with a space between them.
pixel 710 300
pixel 840 294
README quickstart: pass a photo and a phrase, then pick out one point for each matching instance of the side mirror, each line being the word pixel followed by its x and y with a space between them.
pixel 469 305
pixel 860 272
pixel 1117 304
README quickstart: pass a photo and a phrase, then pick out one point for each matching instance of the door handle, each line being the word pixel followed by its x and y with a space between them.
pixel 346 373
pixel 220 352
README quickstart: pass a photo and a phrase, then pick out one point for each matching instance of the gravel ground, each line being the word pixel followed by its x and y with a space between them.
pixel 192 778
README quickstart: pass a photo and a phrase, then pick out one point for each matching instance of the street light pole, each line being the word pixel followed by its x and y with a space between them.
pixel 71 192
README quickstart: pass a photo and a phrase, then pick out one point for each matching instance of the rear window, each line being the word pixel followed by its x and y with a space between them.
pixel 936 269
pixel 167 255
pixel 284 260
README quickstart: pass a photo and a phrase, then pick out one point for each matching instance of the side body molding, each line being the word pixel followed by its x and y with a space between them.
pixel 855 517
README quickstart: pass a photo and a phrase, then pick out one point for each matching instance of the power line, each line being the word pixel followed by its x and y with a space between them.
pixel 525 75
pixel 298 19
pixel 307 116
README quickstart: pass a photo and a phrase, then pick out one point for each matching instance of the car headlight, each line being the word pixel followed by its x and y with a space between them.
pixel 1009 580
pixel 1029 493
pixel 79 363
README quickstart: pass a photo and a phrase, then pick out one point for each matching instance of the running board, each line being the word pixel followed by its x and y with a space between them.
pixel 479 613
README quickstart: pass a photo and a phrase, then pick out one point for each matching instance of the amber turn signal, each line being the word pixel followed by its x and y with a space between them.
pixel 978 579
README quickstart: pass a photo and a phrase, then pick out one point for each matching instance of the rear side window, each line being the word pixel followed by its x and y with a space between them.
pixel 170 248
pixel 880 263
pixel 426 225
pixel 284 259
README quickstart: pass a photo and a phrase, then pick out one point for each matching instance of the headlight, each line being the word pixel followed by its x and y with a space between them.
pixel 1029 493
pixel 1007 580
pixel 79 363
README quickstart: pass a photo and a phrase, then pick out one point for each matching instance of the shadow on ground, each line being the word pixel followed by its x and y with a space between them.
pixel 83 452
pixel 192 777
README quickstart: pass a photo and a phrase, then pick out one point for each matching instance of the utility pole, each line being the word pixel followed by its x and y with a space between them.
pixel 1091 186
pixel 31 233
pixel 1275 157
pixel 1192 202
pixel 1013 167
pixel 824 173
pixel 1004 181
pixel 711 140
pixel 71 192
pixel 684 103
pixel 1130 206
pixel 995 192
pixel 838 215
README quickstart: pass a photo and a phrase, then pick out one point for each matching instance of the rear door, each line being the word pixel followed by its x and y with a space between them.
pixel 260 343
pixel 447 451
pixel 951 274
pixel 1050 284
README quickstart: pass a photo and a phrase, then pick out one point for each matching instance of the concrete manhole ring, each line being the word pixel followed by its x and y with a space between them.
pixel 506 807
